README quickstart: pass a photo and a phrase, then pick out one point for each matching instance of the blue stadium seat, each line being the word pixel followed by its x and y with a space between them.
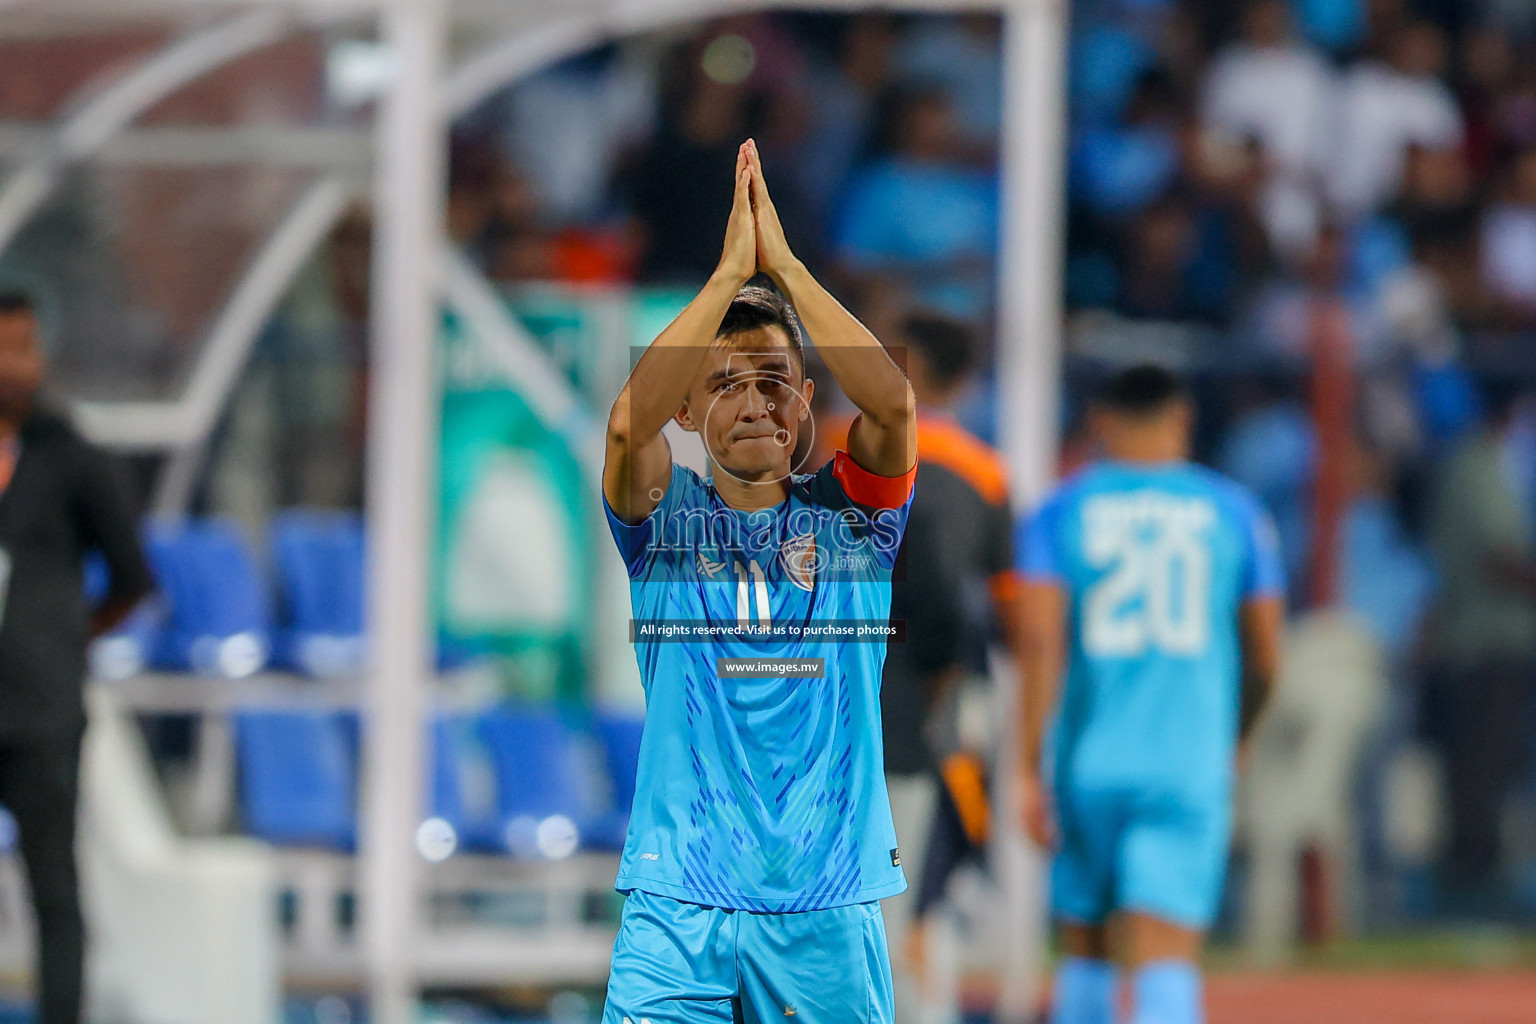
pixel 320 562
pixel 219 622
pixel 541 787
pixel 445 789
pixel 505 781
pixel 455 653
pixel 297 778
pixel 7 831
pixel 535 758
pixel 460 784
pixel 462 788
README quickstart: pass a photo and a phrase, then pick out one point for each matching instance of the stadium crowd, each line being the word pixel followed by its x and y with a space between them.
pixel 1323 210
pixel 1316 198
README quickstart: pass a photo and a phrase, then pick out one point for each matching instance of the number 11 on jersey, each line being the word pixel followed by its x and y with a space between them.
pixel 759 589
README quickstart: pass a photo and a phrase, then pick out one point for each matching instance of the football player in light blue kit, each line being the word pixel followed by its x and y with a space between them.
pixel 761 837
pixel 1152 617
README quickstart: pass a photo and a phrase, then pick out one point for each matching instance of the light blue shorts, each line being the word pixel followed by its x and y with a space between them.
pixel 680 963
pixel 1164 855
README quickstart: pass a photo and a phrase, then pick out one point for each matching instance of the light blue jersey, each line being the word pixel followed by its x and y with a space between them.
pixel 764 794
pixel 1156 561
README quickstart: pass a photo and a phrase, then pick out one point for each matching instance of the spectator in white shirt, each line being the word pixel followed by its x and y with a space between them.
pixel 1273 88
pixel 1509 239
pixel 1383 109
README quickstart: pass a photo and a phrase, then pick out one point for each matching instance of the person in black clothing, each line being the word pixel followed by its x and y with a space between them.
pixel 957 594
pixel 59 498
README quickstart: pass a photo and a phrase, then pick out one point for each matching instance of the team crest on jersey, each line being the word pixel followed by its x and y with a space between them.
pixel 801 560
pixel 707 566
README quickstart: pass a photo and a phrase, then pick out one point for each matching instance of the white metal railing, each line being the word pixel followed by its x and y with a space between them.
pixel 99 115
pixel 259 145
pixel 188 419
pixel 556 945
pixel 553 942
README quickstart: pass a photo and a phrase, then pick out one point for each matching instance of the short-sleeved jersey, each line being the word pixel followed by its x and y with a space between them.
pixel 1156 561
pixel 764 794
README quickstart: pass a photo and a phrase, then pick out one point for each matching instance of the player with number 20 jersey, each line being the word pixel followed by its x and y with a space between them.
pixel 1152 596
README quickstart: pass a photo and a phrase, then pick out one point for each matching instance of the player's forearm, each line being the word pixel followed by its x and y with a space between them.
pixel 1041 661
pixel 1040 684
pixel 858 362
pixel 1008 612
pixel 1041 611
pixel 659 382
pixel 1261 623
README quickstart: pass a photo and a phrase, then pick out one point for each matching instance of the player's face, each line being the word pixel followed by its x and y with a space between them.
pixel 21 363
pixel 747 403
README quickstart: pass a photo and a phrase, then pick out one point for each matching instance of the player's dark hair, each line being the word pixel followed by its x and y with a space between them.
pixel 1141 390
pixel 13 302
pixel 756 307
pixel 948 345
